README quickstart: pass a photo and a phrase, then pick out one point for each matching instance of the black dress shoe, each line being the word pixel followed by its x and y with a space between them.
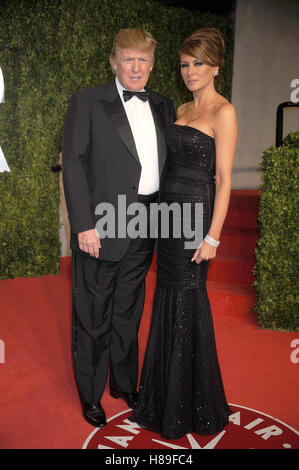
pixel 95 415
pixel 130 398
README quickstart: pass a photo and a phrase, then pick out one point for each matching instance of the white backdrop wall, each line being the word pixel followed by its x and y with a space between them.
pixel 266 60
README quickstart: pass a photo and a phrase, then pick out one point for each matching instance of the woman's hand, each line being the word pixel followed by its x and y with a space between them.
pixel 204 252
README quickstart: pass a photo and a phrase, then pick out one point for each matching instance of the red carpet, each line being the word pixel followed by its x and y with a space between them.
pixel 39 406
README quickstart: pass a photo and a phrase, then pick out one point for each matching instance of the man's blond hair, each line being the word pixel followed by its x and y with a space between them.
pixel 133 38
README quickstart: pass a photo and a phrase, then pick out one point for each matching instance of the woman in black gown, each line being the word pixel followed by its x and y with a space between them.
pixel 181 388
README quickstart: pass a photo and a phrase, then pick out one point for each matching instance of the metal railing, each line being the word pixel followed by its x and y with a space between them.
pixel 279 120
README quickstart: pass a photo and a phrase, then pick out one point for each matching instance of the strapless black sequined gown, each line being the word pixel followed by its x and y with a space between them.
pixel 181 388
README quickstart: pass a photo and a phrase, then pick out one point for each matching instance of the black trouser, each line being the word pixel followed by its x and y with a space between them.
pixel 108 300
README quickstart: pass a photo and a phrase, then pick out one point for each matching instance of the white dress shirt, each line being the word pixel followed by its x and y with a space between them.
pixel 143 128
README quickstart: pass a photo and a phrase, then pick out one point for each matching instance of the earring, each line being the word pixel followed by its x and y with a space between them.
pixel 216 73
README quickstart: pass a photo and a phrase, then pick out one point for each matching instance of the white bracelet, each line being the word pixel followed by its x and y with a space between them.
pixel 211 241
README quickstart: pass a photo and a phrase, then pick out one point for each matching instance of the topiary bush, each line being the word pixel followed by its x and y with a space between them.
pixel 276 269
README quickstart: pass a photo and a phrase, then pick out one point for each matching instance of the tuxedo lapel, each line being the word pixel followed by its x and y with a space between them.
pixel 116 111
pixel 114 108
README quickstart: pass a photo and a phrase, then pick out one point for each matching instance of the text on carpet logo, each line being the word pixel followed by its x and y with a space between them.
pixel 247 429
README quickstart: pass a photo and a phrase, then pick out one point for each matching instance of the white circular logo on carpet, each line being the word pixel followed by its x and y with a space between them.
pixel 247 429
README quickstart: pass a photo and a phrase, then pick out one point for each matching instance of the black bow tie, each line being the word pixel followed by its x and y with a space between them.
pixel 142 95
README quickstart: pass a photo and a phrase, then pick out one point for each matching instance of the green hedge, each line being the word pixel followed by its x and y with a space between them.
pixel 277 266
pixel 48 50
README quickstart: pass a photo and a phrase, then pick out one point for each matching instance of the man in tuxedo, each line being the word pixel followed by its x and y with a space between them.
pixel 113 145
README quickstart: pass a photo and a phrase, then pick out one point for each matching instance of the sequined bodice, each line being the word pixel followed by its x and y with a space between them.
pixel 190 147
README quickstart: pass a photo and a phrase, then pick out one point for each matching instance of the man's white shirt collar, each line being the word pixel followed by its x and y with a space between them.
pixel 120 88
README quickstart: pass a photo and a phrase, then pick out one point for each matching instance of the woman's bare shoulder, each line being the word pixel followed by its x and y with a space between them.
pixel 224 109
pixel 182 109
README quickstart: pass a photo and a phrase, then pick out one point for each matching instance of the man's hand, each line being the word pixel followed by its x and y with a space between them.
pixel 89 242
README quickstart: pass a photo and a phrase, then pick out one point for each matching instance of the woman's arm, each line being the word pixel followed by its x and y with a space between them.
pixel 226 131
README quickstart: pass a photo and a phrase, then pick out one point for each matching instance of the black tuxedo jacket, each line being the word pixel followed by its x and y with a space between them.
pixel 100 160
